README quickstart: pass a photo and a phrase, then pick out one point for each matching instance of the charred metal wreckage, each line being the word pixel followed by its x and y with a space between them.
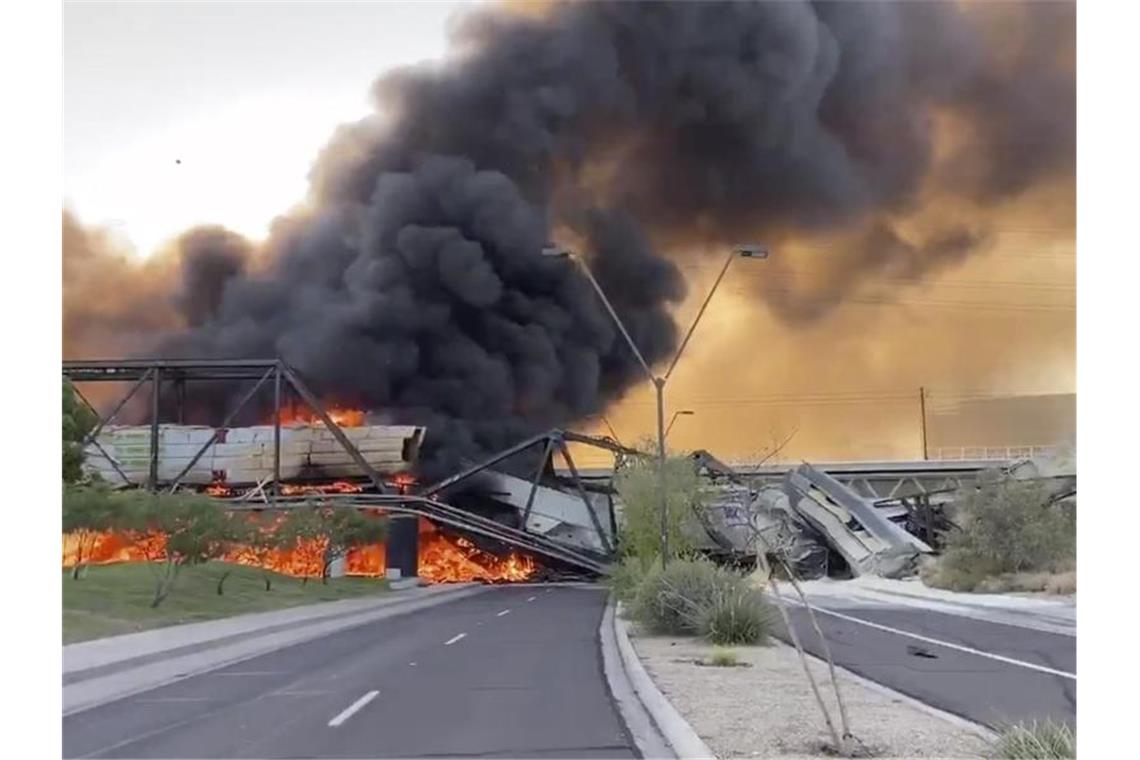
pixel 822 526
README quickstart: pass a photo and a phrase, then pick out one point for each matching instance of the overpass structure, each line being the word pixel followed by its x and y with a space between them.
pixel 871 479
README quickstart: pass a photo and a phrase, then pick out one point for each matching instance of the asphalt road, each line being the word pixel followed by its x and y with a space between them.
pixel 988 672
pixel 513 672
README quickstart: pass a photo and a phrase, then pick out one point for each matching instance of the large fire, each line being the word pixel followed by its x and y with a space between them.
pixel 442 559
pixel 343 416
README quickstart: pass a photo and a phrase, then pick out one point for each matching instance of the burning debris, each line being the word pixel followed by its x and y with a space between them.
pixel 448 559
pixel 443 558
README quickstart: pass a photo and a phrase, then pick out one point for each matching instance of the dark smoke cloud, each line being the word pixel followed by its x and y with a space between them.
pixel 414 283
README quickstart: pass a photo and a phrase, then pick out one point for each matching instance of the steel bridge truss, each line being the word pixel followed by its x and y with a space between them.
pixel 155 373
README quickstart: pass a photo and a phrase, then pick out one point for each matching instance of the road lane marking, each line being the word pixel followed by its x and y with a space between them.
pixel 352 709
pixel 453 639
pixel 947 644
pixel 504 612
pixel 173 699
pixel 250 673
pixel 532 598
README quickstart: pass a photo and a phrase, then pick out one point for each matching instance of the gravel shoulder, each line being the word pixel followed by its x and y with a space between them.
pixel 767 709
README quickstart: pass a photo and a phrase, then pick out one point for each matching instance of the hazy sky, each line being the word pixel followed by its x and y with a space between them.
pixel 242 94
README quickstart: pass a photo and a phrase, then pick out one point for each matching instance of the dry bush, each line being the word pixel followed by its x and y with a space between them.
pixel 1010 532
pixel 1037 741
pixel 734 615
pixel 665 599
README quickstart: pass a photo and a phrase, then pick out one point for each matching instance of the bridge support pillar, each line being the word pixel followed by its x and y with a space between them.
pixel 402 551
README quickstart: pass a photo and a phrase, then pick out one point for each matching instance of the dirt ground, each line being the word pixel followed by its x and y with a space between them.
pixel 767 709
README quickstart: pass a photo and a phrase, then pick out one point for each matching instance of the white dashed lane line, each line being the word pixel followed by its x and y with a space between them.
pixel 454 639
pixel 531 598
pixel 352 709
pixel 504 612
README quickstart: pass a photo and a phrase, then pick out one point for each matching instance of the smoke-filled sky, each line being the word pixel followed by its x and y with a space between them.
pixel 909 164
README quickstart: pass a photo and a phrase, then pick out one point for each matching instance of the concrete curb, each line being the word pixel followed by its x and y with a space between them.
pixel 89 693
pixel 650 742
pixel 676 731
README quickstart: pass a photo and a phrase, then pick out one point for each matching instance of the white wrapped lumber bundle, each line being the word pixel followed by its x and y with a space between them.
pixel 245 455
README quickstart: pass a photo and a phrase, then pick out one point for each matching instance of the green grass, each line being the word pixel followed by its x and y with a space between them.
pixel 1037 741
pixel 115 599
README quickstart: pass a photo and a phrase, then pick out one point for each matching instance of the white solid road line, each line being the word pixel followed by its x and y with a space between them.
pixel 172 699
pixel 947 644
pixel 504 612
pixel 353 709
pixel 453 639
pixel 242 673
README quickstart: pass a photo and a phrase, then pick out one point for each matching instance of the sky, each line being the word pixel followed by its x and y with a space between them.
pixel 178 114
pixel 182 113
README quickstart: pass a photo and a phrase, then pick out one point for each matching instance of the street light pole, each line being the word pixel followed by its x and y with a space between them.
pixel 747 251
pixel 673 419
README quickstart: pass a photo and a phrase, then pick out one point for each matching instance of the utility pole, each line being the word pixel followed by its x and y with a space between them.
pixel 922 410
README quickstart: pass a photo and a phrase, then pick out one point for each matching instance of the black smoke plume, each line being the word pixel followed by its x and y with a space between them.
pixel 413 284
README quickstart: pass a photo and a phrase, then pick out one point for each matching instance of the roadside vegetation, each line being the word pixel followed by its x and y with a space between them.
pixel 117 599
pixel 1013 537
pixel 1046 740
pixel 183 537
pixel 691 596
pixel 694 597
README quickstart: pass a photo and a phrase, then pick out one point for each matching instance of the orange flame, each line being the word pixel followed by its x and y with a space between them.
pixel 404 482
pixel 443 559
pixel 341 486
pixel 343 416
pixel 304 560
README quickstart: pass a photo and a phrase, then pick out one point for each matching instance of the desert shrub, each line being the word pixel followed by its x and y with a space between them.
pixel 1037 741
pixel 733 615
pixel 665 598
pixel 1008 526
pixel 625 576
pixel 696 597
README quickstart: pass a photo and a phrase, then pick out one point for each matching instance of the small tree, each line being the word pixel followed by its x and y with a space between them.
pixel 638 487
pixel 195 528
pixel 78 421
pixel 348 529
pixel 90 511
pixel 233 530
pixel 338 531
pixel 263 538
pixel 300 527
